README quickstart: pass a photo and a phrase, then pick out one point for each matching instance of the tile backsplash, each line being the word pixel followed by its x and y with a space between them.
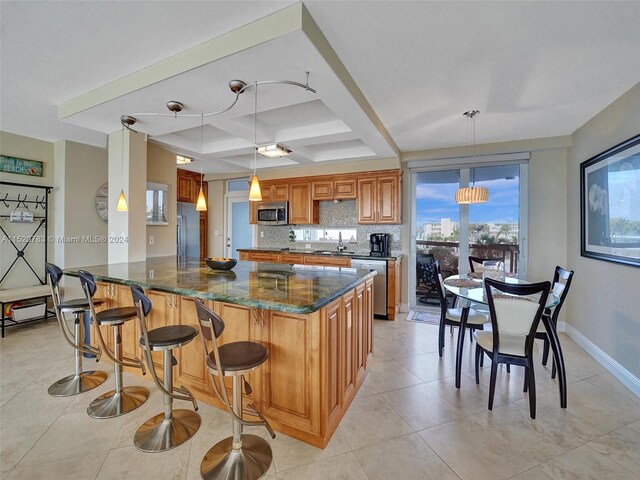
pixel 332 215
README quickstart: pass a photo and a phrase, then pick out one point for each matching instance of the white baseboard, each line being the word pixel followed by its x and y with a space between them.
pixel 625 376
pixel 561 326
pixel 404 307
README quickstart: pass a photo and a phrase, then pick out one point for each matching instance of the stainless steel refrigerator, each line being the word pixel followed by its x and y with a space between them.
pixel 188 237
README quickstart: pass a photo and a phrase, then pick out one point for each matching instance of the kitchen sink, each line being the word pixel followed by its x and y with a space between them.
pixel 323 252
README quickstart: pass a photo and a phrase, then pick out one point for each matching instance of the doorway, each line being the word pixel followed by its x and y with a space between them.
pixel 239 233
pixel 443 231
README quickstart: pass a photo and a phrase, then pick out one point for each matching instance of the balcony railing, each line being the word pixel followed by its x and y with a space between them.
pixel 449 253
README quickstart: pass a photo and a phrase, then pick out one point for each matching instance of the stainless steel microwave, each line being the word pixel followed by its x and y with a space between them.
pixel 273 213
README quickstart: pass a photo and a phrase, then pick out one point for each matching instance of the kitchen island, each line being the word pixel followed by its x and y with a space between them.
pixel 316 323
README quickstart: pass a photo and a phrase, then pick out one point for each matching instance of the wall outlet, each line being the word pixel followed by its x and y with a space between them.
pixel 261 234
pixel 216 233
pixel 152 240
pixel 307 245
pixel 151 274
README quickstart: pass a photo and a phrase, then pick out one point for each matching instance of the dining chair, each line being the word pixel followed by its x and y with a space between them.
pixel 515 311
pixel 452 316
pixel 560 287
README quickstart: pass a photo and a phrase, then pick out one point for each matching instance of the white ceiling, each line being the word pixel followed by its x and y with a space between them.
pixel 533 69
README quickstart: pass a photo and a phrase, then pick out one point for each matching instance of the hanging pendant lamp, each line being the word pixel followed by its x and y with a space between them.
pixel 122 202
pixel 472 194
pixel 255 194
pixel 201 204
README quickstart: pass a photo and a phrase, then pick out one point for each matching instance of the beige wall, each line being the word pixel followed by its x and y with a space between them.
pixel 161 167
pixel 604 302
pixel 84 170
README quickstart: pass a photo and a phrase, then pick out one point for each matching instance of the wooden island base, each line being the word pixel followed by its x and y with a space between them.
pixel 317 361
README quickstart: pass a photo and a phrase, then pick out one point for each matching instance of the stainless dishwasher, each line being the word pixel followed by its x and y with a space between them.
pixel 379 283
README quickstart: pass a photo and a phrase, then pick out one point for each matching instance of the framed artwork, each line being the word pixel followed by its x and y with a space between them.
pixel 610 204
pixel 20 166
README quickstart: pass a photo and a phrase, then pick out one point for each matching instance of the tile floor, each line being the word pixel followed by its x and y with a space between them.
pixel 407 422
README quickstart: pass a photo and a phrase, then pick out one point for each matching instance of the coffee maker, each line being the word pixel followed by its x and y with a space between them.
pixel 380 243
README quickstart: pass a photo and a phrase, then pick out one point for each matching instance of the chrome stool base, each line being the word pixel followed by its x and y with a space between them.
pixel 76 384
pixel 114 404
pixel 250 462
pixel 158 434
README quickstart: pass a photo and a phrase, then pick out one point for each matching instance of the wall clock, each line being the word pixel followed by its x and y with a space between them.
pixel 102 202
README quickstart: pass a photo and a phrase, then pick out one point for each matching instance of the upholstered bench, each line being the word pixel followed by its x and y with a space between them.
pixel 23 294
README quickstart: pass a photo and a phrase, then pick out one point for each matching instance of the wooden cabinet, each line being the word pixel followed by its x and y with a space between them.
pixel 302 209
pixel 117 296
pixel 327 261
pixel 394 287
pixel 349 347
pixel 290 378
pixel 334 188
pixel 271 257
pixel 368 318
pixel 296 258
pixel 379 199
pixel 292 258
pixel 187 187
pixel 274 191
pixel 188 190
pixel 191 370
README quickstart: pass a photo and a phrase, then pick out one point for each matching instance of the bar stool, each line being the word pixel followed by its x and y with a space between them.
pixel 172 427
pixel 80 381
pixel 242 456
pixel 121 400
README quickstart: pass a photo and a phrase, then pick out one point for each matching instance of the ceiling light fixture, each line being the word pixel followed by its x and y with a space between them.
pixel 122 201
pixel 472 194
pixel 182 160
pixel 201 204
pixel 237 87
pixel 274 150
pixel 255 194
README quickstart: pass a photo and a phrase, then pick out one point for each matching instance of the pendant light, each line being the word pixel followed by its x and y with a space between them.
pixel 122 202
pixel 255 194
pixel 472 194
pixel 201 204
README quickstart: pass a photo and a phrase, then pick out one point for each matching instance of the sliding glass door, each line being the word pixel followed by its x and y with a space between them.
pixel 446 232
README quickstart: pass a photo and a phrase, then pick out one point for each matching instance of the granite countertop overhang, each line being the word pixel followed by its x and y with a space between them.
pixel 287 288
pixel 333 253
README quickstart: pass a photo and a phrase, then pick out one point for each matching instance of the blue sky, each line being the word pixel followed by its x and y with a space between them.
pixel 436 201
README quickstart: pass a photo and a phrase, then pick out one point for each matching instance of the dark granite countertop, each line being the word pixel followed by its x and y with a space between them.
pixel 329 252
pixel 285 288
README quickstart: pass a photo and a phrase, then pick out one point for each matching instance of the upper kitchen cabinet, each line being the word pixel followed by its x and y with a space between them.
pixel 274 191
pixel 187 187
pixel 379 198
pixel 302 209
pixel 334 188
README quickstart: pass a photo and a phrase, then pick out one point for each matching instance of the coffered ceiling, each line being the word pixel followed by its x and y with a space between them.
pixel 390 77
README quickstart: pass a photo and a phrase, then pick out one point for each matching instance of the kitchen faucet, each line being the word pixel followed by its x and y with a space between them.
pixel 341 247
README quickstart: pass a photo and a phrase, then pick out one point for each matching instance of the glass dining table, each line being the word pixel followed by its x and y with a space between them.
pixel 471 291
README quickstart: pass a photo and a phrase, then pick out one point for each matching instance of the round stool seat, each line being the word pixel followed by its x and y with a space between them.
pixel 115 316
pixel 77 305
pixel 238 356
pixel 169 337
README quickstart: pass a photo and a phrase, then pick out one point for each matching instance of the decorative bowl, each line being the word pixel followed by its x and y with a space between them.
pixel 219 263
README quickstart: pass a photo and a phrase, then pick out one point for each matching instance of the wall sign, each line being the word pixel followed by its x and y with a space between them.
pixel 20 166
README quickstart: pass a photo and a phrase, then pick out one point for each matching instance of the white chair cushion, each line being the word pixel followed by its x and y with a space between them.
pixel 475 318
pixel 509 344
